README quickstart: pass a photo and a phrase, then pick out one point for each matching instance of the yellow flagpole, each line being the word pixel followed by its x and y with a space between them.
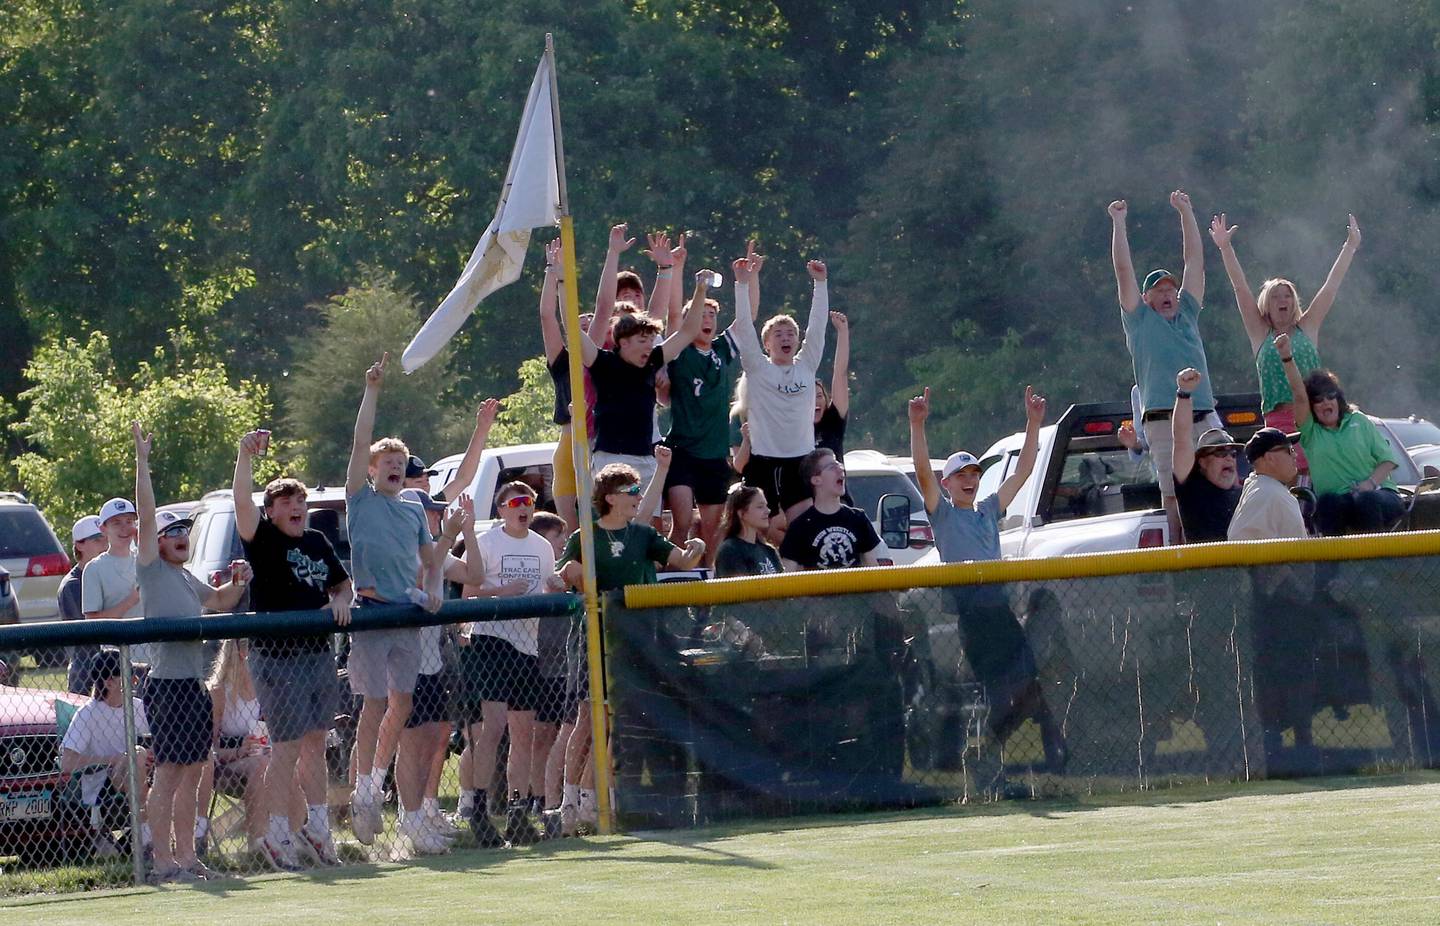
pixel 580 439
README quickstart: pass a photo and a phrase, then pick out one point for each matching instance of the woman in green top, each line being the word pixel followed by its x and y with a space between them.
pixel 1277 311
pixel 1350 460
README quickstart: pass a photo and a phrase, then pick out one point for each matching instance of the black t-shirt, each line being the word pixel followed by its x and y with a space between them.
pixel 830 432
pixel 829 541
pixel 291 574
pixel 625 403
pixel 560 373
pixel 1205 508
pixel 737 557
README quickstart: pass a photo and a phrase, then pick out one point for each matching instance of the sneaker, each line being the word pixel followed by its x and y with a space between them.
pixel 425 840
pixel 158 876
pixel 279 856
pixel 552 827
pixel 205 872
pixel 365 818
pixel 441 825
pixel 589 810
pixel 519 831
pixel 486 836
pixel 319 848
pixel 104 847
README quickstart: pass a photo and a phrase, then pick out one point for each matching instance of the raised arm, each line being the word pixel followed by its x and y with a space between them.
pixel 470 462
pixel 740 456
pixel 605 292
pixel 655 491
pixel 1255 325
pixel 757 263
pixel 1034 417
pixel 919 410
pixel 1125 283
pixel 550 330
pixel 1182 423
pixel 460 522
pixel 746 340
pixel 1298 394
pixel 147 542
pixel 689 329
pixel 1314 317
pixel 813 350
pixel 359 466
pixel 676 306
pixel 840 373
pixel 242 488
pixel 1193 280
pixel 659 252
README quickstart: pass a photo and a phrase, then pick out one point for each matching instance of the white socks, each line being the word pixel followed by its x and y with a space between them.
pixel 371 785
pixel 202 827
pixel 571 795
pixel 467 801
pixel 317 818
pixel 430 807
pixel 279 831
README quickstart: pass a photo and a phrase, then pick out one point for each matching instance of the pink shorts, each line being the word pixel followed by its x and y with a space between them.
pixel 1283 418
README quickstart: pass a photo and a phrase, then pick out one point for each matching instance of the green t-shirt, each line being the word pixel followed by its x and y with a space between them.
pixel 1163 347
pixel 1274 387
pixel 1340 457
pixel 700 388
pixel 626 556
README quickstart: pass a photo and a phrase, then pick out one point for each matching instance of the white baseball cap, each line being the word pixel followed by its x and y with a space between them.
pixel 85 528
pixel 164 520
pixel 115 506
pixel 958 461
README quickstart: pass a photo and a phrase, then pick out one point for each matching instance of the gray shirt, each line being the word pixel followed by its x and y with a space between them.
pixel 970 534
pixel 171 591
pixel 386 536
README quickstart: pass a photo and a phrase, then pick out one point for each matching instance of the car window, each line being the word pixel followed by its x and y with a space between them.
pixel 215 544
pixel 1415 433
pixel 866 489
pixel 331 522
pixel 1405 474
pixel 540 477
pixel 995 474
pixel 23 533
pixel 1100 482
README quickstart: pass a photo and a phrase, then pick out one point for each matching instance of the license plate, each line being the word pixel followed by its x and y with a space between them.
pixel 30 805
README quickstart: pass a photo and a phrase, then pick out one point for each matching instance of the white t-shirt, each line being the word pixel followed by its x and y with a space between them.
pixel 507 559
pixel 781 398
pixel 98 729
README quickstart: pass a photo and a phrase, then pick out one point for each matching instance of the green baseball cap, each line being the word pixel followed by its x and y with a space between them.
pixel 1153 278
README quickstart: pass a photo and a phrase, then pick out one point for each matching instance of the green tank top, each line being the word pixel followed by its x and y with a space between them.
pixel 1274 388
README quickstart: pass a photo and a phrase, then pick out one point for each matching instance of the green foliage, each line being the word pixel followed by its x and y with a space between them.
pixel 79 417
pixel 527 414
pixel 323 392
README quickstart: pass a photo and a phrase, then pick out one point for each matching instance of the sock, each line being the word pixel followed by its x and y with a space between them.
pixel 202 827
pixel 377 780
pixel 279 830
pixel 430 807
pixel 412 819
pixel 571 795
pixel 587 797
pixel 317 817
pixel 467 800
pixel 145 838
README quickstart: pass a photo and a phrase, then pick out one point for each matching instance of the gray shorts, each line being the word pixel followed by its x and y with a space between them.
pixel 382 661
pixel 645 466
pixel 298 693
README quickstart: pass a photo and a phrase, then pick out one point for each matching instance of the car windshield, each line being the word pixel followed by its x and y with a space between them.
pixel 1414 433
pixel 23 534
pixel 1100 482
pixel 867 488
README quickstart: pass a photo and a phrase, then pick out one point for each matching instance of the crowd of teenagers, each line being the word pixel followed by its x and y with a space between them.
pixel 752 472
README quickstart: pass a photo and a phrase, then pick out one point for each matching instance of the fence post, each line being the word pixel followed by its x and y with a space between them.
pixel 127 689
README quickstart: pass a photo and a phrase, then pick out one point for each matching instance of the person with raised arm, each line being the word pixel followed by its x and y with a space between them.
pixel 177 702
pixel 1277 311
pixel 780 388
pixel 832 410
pixel 296 569
pixel 1162 331
pixel 557 363
pixel 969 530
pixel 1207 484
pixel 1351 462
pixel 390 546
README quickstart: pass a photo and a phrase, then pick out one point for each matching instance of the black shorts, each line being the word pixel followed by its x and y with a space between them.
pixel 181 720
pixel 779 478
pixel 708 479
pixel 550 705
pixel 492 669
pixel 431 703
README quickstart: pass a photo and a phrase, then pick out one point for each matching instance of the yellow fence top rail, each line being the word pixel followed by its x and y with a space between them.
pixel 1076 566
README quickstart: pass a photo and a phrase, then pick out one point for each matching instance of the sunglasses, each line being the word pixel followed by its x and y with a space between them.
pixel 518 501
pixel 1288 448
pixel 1325 396
pixel 1223 452
pixel 181 531
pixel 635 489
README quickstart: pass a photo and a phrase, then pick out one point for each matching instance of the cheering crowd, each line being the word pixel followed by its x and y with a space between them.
pixel 751 469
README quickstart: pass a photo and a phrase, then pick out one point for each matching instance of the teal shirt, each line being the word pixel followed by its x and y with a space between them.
pixel 1342 456
pixel 1274 387
pixel 1161 348
pixel 387 533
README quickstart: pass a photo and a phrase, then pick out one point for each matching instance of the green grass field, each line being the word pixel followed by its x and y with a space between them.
pixel 1351 851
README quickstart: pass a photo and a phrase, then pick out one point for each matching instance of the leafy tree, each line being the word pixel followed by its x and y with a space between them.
pixel 79 416
pixel 527 414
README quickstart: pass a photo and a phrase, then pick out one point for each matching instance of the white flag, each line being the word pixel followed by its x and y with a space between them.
pixel 530 198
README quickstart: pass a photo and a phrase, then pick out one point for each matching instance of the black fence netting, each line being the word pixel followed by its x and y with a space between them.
pixel 246 749
pixel 1059 687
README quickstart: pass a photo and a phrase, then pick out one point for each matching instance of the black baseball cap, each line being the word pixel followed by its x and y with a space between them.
pixel 416 467
pixel 1266 440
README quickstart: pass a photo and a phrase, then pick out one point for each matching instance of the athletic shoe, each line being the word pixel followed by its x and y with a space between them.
pixel 519 831
pixel 365 818
pixel 425 840
pixel 320 849
pixel 158 876
pixel 589 811
pixel 104 847
pixel 486 836
pixel 205 872
pixel 551 829
pixel 279 856
pixel 440 825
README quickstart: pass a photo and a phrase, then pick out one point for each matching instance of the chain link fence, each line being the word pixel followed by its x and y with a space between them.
pixel 1040 688
pixel 99 757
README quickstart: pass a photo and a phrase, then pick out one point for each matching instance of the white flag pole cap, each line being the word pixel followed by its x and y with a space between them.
pixel 116 506
pixel 958 461
pixel 85 528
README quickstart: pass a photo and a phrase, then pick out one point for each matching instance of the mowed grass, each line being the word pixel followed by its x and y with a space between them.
pixel 1342 851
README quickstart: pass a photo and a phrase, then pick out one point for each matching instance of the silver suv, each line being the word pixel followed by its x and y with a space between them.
pixel 32 554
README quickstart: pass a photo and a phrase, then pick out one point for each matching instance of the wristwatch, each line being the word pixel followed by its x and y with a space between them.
pixel 1181 394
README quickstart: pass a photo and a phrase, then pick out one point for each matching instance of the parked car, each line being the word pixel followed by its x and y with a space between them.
pixel 869 477
pixel 30 777
pixel 528 463
pixel 1414 431
pixel 907 466
pixel 9 607
pixel 34 557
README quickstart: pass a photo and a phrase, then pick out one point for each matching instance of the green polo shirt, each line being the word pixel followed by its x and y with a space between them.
pixel 1342 456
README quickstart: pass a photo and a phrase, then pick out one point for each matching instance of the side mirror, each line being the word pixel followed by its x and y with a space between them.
pixel 895 521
